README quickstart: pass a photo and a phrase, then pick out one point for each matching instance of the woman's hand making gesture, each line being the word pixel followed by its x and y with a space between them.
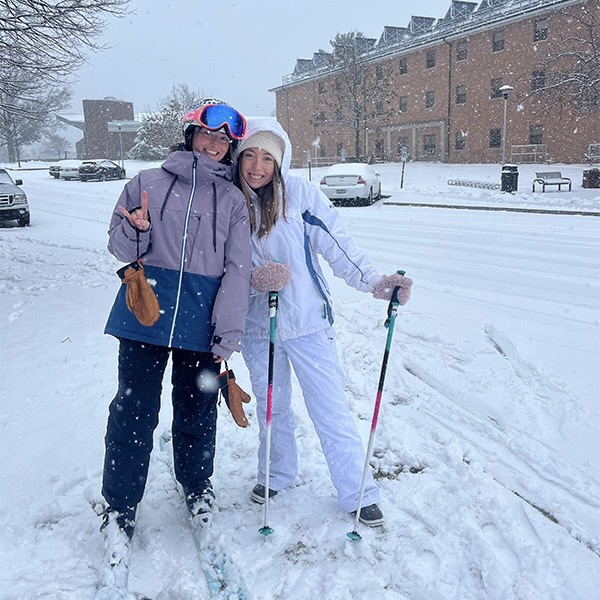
pixel 139 217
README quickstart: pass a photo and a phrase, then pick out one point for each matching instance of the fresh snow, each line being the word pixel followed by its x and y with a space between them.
pixel 486 450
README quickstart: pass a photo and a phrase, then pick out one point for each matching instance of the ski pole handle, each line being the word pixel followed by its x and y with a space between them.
pixel 395 292
pixel 394 302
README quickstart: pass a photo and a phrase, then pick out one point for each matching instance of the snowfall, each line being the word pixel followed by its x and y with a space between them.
pixel 487 443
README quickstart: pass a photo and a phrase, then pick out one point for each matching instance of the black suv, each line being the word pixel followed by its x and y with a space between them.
pixel 13 201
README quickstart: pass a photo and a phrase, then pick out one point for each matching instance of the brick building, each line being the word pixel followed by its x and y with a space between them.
pixel 109 128
pixel 446 79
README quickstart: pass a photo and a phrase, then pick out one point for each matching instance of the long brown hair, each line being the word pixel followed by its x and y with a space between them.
pixel 265 201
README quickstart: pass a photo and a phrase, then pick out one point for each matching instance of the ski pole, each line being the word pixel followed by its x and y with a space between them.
pixel 389 324
pixel 273 301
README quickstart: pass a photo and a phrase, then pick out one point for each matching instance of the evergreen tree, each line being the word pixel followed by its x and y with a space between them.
pixel 162 129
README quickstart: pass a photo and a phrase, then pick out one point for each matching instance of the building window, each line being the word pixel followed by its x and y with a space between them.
pixel 430 60
pixel 403 104
pixel 340 149
pixel 321 87
pixel 461 94
pixel 379 107
pixel 429 99
pixel 403 66
pixel 339 116
pixel 536 134
pixel 498 41
pixel 321 117
pixel 338 85
pixel 495 138
pixel 496 85
pixel 379 72
pixel 538 80
pixel 461 139
pixel 540 30
pixel 429 147
pixel 379 148
pixel 461 50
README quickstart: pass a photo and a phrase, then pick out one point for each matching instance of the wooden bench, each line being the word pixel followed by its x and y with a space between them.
pixel 551 178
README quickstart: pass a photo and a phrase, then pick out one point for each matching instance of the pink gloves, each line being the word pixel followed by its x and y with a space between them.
pixel 383 290
pixel 270 277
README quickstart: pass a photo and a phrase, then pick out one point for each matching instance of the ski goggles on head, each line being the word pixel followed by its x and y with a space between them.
pixel 215 117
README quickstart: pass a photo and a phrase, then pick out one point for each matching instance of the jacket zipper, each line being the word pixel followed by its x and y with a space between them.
pixel 183 250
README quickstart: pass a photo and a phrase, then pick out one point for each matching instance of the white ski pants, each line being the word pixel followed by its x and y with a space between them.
pixel 314 360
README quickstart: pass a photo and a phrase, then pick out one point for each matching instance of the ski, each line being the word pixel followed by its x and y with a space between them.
pixel 222 577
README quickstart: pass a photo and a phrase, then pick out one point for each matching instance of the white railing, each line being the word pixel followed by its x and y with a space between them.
pixel 529 153
pixel 593 153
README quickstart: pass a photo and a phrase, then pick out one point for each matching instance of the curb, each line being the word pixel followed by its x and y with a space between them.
pixel 543 211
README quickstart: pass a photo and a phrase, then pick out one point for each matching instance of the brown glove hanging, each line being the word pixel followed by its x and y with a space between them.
pixel 234 396
pixel 141 299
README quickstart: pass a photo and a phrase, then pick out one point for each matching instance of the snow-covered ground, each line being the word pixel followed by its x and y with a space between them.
pixel 487 449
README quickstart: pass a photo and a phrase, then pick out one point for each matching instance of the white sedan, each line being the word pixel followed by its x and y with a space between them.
pixel 351 183
pixel 69 169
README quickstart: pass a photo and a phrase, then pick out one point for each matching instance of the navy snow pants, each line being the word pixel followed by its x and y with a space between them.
pixel 133 417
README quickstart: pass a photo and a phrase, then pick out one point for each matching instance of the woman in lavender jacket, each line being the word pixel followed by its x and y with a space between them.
pixel 188 224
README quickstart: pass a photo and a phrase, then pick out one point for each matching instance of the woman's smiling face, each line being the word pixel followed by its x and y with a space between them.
pixel 257 167
pixel 214 144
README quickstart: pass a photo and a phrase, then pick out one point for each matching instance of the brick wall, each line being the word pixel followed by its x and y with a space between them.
pixel 423 129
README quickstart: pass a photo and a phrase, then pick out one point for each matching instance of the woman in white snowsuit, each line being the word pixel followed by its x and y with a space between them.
pixel 188 223
pixel 292 222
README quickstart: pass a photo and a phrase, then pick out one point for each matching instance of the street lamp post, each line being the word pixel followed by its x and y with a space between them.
pixel 505 90
pixel 121 141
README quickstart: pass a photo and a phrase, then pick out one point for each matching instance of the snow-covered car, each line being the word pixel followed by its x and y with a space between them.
pixel 54 171
pixel 351 183
pixel 100 170
pixel 13 200
pixel 69 169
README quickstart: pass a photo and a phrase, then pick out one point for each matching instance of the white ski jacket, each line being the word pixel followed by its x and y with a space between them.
pixel 312 227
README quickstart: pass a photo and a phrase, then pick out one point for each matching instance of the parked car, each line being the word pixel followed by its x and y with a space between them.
pixel 351 183
pixel 54 171
pixel 100 170
pixel 69 169
pixel 13 200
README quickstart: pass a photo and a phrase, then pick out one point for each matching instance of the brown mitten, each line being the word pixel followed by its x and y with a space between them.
pixel 141 299
pixel 234 396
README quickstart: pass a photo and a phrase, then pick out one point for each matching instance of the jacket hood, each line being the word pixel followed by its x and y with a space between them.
pixel 256 124
pixel 178 163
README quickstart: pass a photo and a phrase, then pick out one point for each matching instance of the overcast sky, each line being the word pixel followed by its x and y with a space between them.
pixel 236 51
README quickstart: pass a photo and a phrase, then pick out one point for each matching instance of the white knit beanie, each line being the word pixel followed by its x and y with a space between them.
pixel 265 140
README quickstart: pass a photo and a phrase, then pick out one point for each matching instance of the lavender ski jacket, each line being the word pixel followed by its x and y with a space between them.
pixel 196 255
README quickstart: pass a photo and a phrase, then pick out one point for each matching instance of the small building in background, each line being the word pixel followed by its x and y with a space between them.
pixel 101 140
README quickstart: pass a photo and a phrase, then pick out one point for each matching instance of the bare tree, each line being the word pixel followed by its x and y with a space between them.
pixel 360 93
pixel 569 76
pixel 48 39
pixel 41 43
pixel 55 145
pixel 181 97
pixel 27 109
